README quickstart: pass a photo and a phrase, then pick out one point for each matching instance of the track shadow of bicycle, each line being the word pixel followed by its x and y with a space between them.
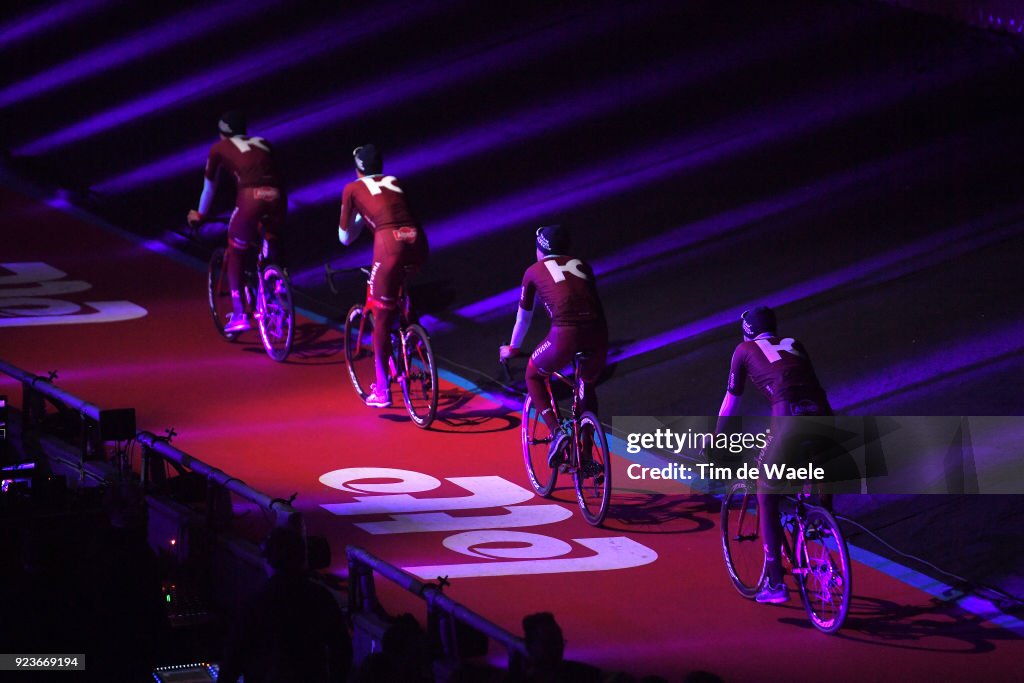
pixel 454 416
pixel 881 622
pixel 645 512
pixel 312 345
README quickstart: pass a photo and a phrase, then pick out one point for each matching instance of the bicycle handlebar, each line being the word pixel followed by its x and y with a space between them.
pixel 329 274
pixel 506 374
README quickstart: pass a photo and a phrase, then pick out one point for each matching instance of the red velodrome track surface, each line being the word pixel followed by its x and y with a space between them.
pixel 281 427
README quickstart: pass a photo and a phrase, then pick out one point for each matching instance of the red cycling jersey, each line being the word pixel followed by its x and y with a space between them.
pixel 249 159
pixel 398 239
pixel 780 368
pixel 566 287
pixel 379 200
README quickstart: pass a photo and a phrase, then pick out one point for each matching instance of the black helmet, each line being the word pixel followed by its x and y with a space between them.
pixel 757 320
pixel 368 159
pixel 553 239
pixel 232 123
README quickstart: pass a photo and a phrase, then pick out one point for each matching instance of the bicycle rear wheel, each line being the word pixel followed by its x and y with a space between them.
pixel 359 349
pixel 219 293
pixel 419 384
pixel 536 438
pixel 275 312
pixel 825 580
pixel 741 539
pixel 593 475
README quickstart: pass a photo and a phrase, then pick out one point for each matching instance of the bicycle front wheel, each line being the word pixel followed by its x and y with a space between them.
pixel 593 475
pixel 219 293
pixel 419 385
pixel 741 539
pixel 359 349
pixel 275 312
pixel 825 579
pixel 536 438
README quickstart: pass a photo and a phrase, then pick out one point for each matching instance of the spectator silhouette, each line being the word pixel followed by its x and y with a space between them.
pixel 546 663
pixel 404 655
pixel 292 630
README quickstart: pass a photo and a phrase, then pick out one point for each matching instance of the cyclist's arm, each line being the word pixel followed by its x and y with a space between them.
pixel 347 237
pixel 349 225
pixel 734 390
pixel 210 176
pixel 730 405
pixel 524 316
pixel 523 319
pixel 206 198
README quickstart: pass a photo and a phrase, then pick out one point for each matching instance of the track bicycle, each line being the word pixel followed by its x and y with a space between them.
pixel 587 456
pixel 813 545
pixel 412 363
pixel 267 291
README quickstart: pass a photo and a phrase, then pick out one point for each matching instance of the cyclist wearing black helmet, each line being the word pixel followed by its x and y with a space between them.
pixel 781 369
pixel 566 287
pixel 260 203
pixel 399 246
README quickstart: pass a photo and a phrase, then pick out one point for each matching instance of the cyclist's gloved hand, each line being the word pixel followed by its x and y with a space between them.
pixel 505 352
pixel 194 218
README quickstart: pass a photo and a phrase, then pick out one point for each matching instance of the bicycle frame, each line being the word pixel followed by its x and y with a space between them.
pixel 571 423
pixel 404 311
pixel 411 362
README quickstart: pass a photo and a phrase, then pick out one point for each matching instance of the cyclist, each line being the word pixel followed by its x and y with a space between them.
pixel 781 369
pixel 260 205
pixel 399 246
pixel 566 287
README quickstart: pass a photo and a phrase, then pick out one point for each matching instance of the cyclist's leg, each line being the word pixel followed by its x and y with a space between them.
pixel 771 533
pixel 274 209
pixel 551 355
pixel 815 442
pixel 592 340
pixel 243 231
pixel 414 256
pixel 768 505
pixel 385 283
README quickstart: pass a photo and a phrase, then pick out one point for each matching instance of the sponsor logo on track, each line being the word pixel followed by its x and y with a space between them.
pixel 28 297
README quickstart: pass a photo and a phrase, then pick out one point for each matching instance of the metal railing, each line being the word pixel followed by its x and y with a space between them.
pixel 37 388
pixel 362 597
pixel 159 446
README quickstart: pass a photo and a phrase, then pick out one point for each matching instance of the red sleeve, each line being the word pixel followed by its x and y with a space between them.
pixel 737 371
pixel 347 212
pixel 213 164
pixel 529 291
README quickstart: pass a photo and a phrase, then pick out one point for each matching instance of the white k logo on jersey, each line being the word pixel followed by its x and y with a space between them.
pixel 558 272
pixel 771 351
pixel 248 144
pixel 374 185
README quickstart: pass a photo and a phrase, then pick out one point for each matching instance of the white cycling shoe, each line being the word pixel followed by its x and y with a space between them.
pixel 237 323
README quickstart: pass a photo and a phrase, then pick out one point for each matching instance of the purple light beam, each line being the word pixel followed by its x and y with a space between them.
pixel 169 32
pixel 46 19
pixel 953 356
pixel 570 108
pixel 259 62
pixel 884 267
pixel 447 71
pixel 689 235
pixel 674 156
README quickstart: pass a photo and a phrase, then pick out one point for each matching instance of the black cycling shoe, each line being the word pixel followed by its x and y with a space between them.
pixel 556 451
